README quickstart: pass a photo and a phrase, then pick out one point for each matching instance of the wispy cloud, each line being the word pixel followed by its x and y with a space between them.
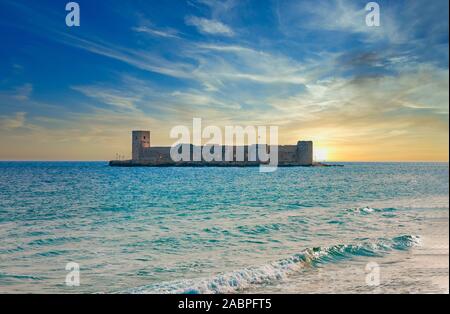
pixel 219 8
pixel 143 60
pixel 229 63
pixel 166 33
pixel 11 122
pixel 344 16
pixel 318 73
pixel 199 98
pixel 207 26
pixel 21 93
pixel 343 110
pixel 120 99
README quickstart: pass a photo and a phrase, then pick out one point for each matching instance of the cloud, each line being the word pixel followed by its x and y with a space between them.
pixel 143 60
pixel 220 9
pixel 225 48
pixel 199 98
pixel 23 92
pixel 220 65
pixel 345 16
pixel 355 88
pixel 167 33
pixel 12 122
pixel 207 26
pixel 371 109
pixel 120 99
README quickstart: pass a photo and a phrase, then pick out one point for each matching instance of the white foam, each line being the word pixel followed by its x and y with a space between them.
pixel 234 281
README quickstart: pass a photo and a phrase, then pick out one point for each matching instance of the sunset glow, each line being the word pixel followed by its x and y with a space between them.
pixel 360 93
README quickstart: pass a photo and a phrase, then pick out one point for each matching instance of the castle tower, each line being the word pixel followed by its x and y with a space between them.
pixel 305 152
pixel 141 141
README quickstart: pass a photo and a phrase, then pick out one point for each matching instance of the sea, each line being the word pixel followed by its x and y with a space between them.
pixel 359 228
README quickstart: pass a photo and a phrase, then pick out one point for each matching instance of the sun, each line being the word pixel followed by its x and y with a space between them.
pixel 320 154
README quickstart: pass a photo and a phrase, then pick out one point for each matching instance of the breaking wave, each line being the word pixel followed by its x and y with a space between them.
pixel 368 210
pixel 235 281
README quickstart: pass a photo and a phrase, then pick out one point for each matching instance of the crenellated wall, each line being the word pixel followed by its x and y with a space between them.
pixel 142 152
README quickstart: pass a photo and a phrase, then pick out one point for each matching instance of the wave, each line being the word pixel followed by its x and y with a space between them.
pixel 18 276
pixel 239 280
pixel 425 202
pixel 369 210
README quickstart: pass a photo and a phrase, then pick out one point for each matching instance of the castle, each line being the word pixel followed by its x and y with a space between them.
pixel 143 154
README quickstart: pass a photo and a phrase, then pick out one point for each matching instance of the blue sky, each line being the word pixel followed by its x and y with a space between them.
pixel 313 68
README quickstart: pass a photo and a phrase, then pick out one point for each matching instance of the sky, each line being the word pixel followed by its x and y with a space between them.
pixel 312 68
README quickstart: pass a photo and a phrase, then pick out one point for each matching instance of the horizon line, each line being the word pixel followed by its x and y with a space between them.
pixel 323 161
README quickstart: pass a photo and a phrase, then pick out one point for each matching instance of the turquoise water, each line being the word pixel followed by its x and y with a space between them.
pixel 208 230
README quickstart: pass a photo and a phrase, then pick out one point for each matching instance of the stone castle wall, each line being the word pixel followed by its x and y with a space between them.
pixel 142 152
